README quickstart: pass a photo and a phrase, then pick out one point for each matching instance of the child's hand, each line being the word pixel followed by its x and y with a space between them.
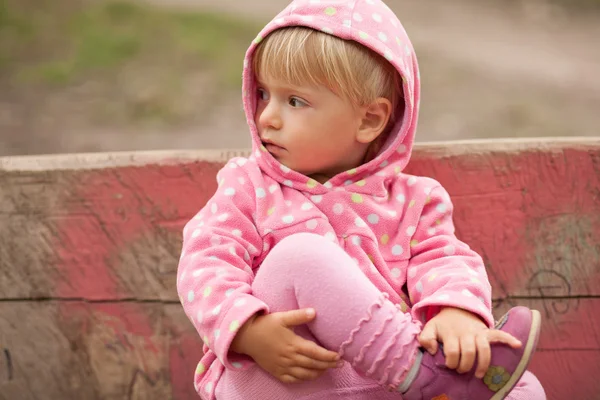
pixel 271 342
pixel 464 337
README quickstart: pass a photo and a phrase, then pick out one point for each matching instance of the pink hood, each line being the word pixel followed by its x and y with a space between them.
pixel 372 24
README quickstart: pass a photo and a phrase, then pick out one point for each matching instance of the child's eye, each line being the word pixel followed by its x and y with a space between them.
pixel 296 102
pixel 262 94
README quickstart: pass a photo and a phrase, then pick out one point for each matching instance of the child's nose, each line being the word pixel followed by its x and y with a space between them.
pixel 270 116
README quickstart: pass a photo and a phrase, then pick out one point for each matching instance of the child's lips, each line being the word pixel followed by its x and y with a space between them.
pixel 271 147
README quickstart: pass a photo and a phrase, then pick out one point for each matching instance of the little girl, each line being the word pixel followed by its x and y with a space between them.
pixel 320 270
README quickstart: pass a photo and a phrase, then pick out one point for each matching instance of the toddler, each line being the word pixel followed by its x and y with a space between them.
pixel 319 269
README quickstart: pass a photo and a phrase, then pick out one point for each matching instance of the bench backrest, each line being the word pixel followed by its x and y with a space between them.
pixel 89 247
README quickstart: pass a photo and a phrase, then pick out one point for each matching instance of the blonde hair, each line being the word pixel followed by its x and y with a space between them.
pixel 304 56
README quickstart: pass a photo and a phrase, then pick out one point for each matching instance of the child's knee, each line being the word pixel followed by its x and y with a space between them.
pixel 305 250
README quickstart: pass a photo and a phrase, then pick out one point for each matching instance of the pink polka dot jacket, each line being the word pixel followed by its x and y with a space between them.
pixel 398 228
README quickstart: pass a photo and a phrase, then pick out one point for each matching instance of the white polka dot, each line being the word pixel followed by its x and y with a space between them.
pixel 472 272
pixel 199 317
pixel 223 217
pixel 392 213
pixel 443 297
pixel 260 193
pixel 441 208
pixel 273 188
pixel 237 365
pixel 306 18
pixel 316 199
pixel 233 166
pixel 394 23
pixel 288 219
pixel 412 272
pixel 373 218
pixel 356 240
pixel 397 250
pixel 229 192
pixel 338 208
pixel 327 30
pixel 419 287
pixel 306 206
pixel 467 293
pixel 481 299
pixel 221 271
pixel 241 181
pixel 239 302
pixel 237 232
pixel 376 17
pixel 191 295
pixel 215 240
pixel 328 185
pixel 348 182
pixel 411 230
pixel 411 181
pixel 232 251
pixel 214 208
pixel 196 233
pixel 284 169
pixel 289 183
pixel 280 21
pixel 396 273
pixel 209 387
pixel 357 17
pixel 229 292
pixel 401 198
pixel 382 36
pixel 449 250
pixel 402 148
pixel 312 224
pixel 196 273
pixel 383 164
pixel 216 310
pixel 388 55
pixel 359 222
pixel 427 191
pixel 330 236
pixel 288 203
pixel 347 23
pixel 431 231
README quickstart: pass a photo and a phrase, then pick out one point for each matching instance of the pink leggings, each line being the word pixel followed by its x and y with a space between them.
pixel 353 318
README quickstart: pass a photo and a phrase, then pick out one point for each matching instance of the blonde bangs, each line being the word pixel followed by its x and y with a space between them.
pixel 303 56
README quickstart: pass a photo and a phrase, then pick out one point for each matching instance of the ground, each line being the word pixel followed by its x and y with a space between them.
pixel 79 76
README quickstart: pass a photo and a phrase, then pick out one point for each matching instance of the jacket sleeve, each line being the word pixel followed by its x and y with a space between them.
pixel 214 278
pixel 443 271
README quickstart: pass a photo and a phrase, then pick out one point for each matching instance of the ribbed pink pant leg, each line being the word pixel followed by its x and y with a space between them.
pixel 353 316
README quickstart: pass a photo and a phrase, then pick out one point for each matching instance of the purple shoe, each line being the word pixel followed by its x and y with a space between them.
pixel 434 381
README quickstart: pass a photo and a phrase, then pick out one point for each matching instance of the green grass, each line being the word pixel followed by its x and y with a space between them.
pixel 60 45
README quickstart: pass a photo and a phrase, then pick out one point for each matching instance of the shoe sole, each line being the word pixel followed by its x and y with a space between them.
pixel 527 353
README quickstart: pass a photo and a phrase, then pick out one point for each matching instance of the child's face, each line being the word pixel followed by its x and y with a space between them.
pixel 308 129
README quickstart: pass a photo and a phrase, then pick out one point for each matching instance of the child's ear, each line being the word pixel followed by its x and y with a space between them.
pixel 375 117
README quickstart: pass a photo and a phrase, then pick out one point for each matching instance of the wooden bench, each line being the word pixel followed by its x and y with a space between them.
pixel 89 247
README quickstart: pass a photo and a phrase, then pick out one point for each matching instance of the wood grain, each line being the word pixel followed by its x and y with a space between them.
pixel 89 247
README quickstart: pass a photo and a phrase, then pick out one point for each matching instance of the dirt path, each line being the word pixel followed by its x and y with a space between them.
pixel 490 69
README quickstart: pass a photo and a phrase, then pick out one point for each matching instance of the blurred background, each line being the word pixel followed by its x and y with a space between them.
pixel 105 75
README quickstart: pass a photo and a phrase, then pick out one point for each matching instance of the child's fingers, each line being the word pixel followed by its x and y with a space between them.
pixel 296 317
pixel 452 351
pixel 496 336
pixel 428 338
pixel 468 351
pixel 312 350
pixel 310 363
pixel 303 374
pixel 484 355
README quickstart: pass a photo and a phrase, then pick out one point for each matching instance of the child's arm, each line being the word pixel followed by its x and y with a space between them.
pixel 445 276
pixel 215 270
